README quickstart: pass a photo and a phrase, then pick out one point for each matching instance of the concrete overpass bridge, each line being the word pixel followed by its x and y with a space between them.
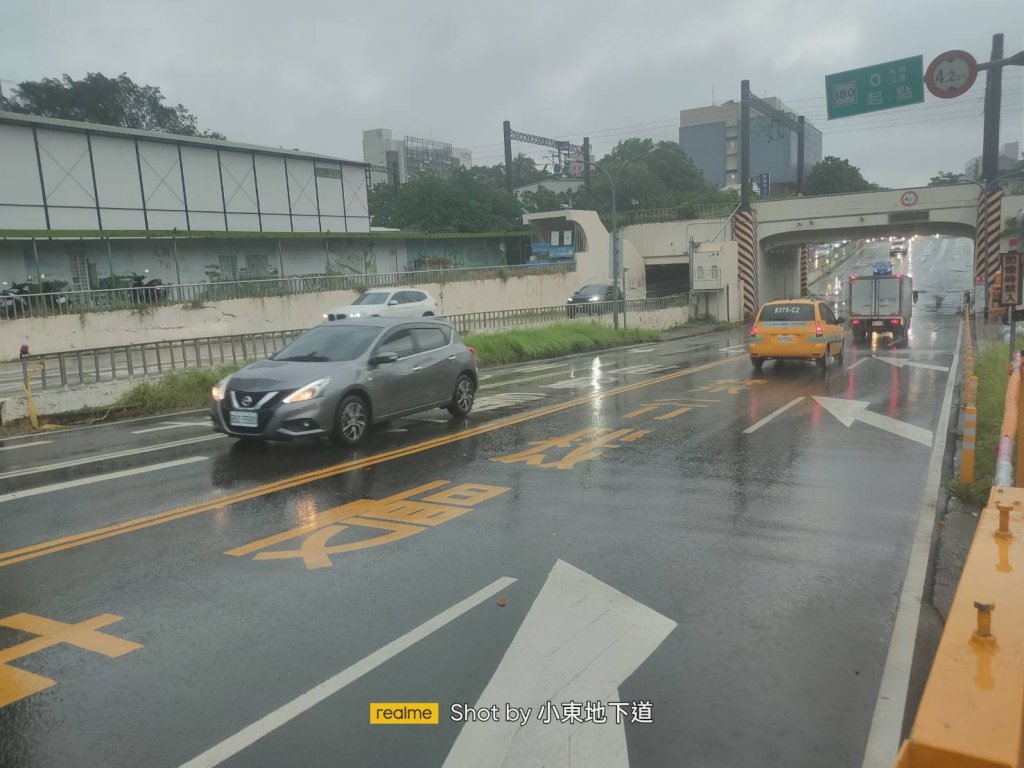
pixel 767 266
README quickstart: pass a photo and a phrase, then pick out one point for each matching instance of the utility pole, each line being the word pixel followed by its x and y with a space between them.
pixel 507 127
pixel 745 145
pixel 586 160
pixel 993 106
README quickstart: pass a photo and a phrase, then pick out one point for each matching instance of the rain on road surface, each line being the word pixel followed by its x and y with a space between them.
pixel 720 551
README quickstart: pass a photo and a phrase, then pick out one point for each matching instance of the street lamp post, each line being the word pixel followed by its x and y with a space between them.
pixel 616 252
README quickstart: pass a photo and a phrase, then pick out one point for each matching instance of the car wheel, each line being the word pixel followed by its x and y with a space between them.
pixel 352 420
pixel 757 362
pixel 462 398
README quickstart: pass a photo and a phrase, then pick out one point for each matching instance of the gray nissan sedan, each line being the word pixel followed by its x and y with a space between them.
pixel 337 380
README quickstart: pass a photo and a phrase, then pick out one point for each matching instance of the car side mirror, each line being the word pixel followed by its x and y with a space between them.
pixel 393 302
pixel 384 357
pixel 915 297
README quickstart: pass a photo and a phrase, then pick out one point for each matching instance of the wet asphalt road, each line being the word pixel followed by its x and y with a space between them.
pixel 660 542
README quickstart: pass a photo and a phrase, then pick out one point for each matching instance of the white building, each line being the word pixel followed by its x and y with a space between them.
pixel 61 175
pixel 409 158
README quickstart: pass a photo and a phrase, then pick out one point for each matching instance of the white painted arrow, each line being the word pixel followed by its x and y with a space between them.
pixel 849 411
pixel 580 640
pixel 900 363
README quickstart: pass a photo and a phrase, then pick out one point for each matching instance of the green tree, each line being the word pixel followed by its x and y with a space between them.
pixel 470 201
pixel 835 175
pixel 945 177
pixel 97 98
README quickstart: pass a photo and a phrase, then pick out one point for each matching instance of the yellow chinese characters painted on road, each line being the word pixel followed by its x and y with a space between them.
pixel 579 446
pixel 732 386
pixel 16 684
pixel 396 517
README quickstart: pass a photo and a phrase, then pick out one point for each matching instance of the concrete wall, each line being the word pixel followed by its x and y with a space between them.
pixel 275 313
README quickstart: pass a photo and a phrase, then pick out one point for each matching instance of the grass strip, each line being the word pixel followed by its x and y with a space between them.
pixel 518 345
pixel 992 370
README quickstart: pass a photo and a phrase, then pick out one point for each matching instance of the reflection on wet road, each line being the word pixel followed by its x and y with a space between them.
pixel 675 558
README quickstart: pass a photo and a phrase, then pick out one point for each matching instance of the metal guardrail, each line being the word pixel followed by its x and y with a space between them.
pixel 485 321
pixel 972 710
pixel 100 364
pixel 15 306
pixel 75 368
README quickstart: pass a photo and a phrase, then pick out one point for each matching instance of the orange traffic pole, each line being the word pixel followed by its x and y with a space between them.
pixel 967 450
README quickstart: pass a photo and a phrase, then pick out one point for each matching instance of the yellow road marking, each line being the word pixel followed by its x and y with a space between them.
pixel 16 684
pixel 146 521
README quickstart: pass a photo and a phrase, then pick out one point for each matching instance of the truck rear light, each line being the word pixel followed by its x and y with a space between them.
pixel 818 330
pixel 895 321
pixel 855 322
pixel 853 277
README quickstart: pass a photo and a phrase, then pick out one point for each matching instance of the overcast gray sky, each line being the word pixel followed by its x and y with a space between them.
pixel 313 74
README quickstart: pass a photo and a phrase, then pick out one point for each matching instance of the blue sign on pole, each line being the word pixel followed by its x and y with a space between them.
pixel 764 184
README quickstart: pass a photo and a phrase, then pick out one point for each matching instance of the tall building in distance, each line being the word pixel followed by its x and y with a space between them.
pixel 409 158
pixel 711 136
pixel 1009 155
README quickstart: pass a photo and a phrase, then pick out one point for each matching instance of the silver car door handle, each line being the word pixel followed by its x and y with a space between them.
pixel 451 357
pixel 417 367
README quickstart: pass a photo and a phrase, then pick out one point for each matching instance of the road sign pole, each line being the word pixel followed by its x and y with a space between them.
pixel 993 105
pixel 745 145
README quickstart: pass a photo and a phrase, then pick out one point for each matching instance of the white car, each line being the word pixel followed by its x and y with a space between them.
pixel 387 302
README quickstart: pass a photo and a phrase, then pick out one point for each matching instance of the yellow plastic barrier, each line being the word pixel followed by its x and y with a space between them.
pixel 972 711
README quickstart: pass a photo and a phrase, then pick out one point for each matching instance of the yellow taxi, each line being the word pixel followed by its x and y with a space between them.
pixel 796 329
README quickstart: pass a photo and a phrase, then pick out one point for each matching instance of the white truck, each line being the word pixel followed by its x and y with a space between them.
pixel 880 304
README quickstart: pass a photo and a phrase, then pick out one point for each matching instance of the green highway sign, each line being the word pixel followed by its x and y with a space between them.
pixel 870 89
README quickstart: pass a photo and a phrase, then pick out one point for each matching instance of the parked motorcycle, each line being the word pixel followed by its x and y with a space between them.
pixel 14 300
pixel 147 291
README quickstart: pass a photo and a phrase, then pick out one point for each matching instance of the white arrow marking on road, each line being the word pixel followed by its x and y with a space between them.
pixel 270 722
pixel 849 411
pixel 580 640
pixel 900 363
pixel 771 416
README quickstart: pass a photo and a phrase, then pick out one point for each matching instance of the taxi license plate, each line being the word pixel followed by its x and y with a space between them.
pixel 243 419
pixel 784 339
pixel 877 324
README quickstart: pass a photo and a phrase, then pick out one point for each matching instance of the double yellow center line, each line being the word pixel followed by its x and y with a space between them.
pixel 147 521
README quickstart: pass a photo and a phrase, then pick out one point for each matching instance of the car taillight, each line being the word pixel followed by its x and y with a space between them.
pixel 895 321
pixel 818 330
pixel 855 322
pixel 853 277
pixel 753 330
pixel 472 351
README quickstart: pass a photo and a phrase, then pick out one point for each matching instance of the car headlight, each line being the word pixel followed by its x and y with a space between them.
pixel 312 390
pixel 594 298
pixel 220 389
pixel 324 316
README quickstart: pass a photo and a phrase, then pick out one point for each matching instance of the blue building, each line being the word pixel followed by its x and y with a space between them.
pixel 710 135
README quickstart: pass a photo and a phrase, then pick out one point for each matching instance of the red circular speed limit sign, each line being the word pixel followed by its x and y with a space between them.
pixel 908 199
pixel 951 74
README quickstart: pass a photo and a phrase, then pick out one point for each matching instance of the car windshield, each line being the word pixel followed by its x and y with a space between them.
pixel 372 297
pixel 590 290
pixel 789 313
pixel 329 344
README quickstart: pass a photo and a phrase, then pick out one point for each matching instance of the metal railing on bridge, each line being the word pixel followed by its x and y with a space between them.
pixel 16 305
pixel 80 367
